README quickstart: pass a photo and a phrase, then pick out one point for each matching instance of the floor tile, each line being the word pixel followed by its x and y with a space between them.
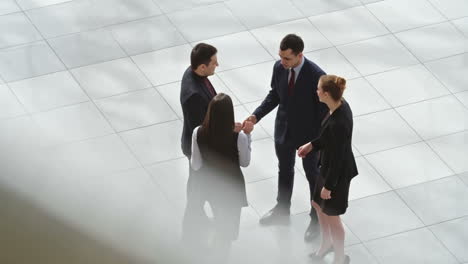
pixel 411 164
pixel 110 78
pixel 401 248
pixel 333 62
pixel 238 50
pixel 136 109
pixel 399 15
pixel 206 22
pixel 434 42
pixel 428 201
pixel 17 134
pixel 463 97
pixel 169 6
pixel 261 163
pixel 359 254
pixel 147 35
pixel 393 85
pixel 377 55
pixel 270 37
pixel 48 91
pixel 86 48
pixel 171 94
pixel 368 182
pixel 462 24
pixel 273 12
pixel 262 195
pixel 380 215
pixel 77 16
pixel 16 29
pixel 450 71
pixel 429 118
pixel 451 8
pixel 172 177
pixel 10 105
pixel 453 149
pixel 29 4
pixel 154 64
pixel 101 155
pixel 349 25
pixel 249 84
pixel 9 6
pixel 464 177
pixel 454 235
pixel 72 123
pixel 221 87
pixel 154 143
pixel 316 7
pixel 381 131
pixel 363 98
pixel 28 61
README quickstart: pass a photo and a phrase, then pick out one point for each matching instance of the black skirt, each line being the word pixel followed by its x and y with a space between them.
pixel 338 203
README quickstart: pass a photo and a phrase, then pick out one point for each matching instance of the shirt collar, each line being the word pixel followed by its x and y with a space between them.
pixel 298 68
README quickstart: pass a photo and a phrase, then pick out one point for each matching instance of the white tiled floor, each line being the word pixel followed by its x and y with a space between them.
pixel 90 122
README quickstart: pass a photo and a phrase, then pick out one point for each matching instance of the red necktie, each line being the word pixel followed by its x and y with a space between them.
pixel 291 82
pixel 210 87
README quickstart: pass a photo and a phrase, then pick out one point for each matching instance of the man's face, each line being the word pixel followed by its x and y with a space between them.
pixel 210 69
pixel 289 59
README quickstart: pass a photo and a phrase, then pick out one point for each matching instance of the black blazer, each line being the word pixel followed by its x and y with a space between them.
pixel 336 154
pixel 194 99
pixel 299 116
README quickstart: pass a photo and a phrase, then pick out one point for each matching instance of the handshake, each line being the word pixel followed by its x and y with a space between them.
pixel 247 126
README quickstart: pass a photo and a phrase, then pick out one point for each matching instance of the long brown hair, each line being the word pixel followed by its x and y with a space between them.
pixel 217 128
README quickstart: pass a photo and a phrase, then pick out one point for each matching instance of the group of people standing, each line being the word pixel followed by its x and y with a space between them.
pixel 313 121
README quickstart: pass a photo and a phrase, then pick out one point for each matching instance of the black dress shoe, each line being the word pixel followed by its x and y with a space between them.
pixel 276 216
pixel 312 231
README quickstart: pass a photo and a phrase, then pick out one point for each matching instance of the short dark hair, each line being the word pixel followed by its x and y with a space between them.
pixel 293 42
pixel 201 54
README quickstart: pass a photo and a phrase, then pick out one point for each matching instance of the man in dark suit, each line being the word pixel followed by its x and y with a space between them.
pixel 293 89
pixel 195 94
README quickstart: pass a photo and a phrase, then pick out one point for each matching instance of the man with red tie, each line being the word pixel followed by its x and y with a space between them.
pixel 195 94
pixel 293 90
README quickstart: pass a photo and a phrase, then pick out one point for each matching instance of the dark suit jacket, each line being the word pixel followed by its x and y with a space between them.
pixel 194 99
pixel 299 116
pixel 336 154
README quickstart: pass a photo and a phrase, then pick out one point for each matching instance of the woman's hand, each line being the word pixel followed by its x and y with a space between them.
pixel 325 194
pixel 304 150
pixel 237 127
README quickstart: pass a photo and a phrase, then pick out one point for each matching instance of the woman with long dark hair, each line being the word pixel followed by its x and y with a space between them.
pixel 337 166
pixel 219 149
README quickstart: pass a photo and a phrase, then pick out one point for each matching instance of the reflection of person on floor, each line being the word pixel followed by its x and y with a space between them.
pixel 337 166
pixel 219 148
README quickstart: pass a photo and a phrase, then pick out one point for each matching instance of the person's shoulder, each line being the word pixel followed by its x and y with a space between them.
pixel 313 66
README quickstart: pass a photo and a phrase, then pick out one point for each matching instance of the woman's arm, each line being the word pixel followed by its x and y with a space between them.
pixel 243 145
pixel 336 148
pixel 196 159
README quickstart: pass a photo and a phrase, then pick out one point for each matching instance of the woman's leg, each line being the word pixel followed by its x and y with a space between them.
pixel 338 236
pixel 326 242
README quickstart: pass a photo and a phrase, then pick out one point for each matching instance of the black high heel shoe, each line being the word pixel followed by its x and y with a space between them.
pixel 315 256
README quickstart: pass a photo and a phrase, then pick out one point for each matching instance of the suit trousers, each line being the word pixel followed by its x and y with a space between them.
pixel 286 154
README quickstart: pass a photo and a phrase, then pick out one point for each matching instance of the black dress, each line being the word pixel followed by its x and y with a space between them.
pixel 337 163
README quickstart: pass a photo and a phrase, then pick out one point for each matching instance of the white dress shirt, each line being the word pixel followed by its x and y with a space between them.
pixel 243 145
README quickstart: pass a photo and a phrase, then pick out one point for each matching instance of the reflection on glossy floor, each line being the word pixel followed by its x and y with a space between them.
pixel 91 166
